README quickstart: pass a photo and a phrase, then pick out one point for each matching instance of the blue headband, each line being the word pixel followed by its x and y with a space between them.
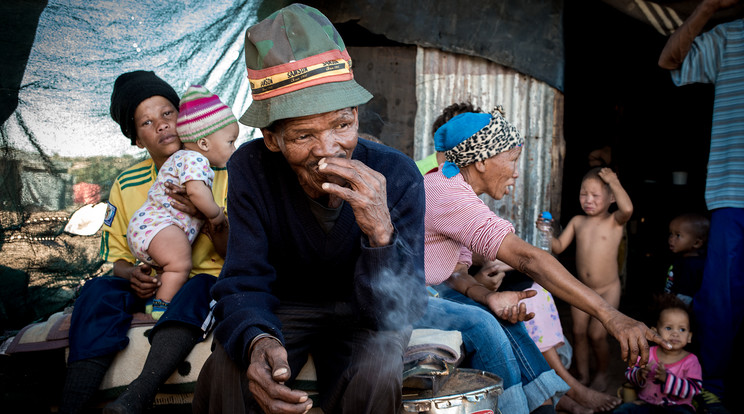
pixel 472 137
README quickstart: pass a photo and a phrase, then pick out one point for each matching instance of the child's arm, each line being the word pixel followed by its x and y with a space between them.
pixel 560 243
pixel 681 387
pixel 201 196
pixel 636 376
pixel 678 386
pixel 624 205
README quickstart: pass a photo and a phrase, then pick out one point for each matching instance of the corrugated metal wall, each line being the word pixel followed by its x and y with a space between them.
pixel 535 108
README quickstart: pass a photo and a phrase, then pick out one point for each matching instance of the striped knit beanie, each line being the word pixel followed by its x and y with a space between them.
pixel 201 114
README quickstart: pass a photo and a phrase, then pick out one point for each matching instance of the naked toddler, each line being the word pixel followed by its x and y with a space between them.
pixel 598 235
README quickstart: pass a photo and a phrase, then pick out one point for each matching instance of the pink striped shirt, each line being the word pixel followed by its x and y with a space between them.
pixel 682 384
pixel 456 223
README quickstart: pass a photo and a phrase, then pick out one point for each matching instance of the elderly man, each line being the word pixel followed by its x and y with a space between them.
pixel 325 254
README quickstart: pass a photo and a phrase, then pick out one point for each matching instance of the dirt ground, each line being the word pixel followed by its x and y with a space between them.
pixel 617 365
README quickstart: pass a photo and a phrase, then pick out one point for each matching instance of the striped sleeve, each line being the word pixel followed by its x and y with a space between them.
pixel 703 61
pixel 681 387
pixel 633 375
pixel 716 57
pixel 457 219
pixel 458 213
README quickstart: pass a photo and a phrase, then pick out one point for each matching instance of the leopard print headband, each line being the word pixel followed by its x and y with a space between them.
pixel 496 137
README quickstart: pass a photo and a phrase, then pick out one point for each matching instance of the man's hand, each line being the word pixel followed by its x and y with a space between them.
pixel 633 337
pixel 506 305
pixel 366 192
pixel 180 200
pixel 267 373
pixel 141 282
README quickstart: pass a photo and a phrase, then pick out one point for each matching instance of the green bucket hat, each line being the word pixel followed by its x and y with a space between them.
pixel 297 66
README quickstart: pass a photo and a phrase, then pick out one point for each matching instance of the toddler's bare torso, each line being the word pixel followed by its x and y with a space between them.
pixel 597 242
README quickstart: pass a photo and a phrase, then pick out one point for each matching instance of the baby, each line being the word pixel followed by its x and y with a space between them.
pixel 673 376
pixel 687 236
pixel 598 236
pixel 160 235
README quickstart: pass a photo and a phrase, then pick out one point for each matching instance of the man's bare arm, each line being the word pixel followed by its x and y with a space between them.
pixel 680 41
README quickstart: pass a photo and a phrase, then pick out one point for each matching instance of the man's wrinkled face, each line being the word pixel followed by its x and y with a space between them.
pixel 306 140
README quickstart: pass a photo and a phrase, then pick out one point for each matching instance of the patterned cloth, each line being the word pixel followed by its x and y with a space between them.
pixel 456 223
pixel 545 328
pixel 471 137
pixel 157 213
pixel 129 193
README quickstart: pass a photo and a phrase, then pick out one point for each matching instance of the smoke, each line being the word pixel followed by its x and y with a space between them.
pixel 397 292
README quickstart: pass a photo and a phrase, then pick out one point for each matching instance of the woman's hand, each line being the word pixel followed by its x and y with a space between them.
pixel 180 200
pixel 633 337
pixel 507 306
pixel 491 274
pixel 142 283
pixel 139 278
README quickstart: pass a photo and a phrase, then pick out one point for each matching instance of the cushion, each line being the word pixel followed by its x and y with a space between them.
pixel 178 389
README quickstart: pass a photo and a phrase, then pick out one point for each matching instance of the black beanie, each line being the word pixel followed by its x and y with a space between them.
pixel 130 89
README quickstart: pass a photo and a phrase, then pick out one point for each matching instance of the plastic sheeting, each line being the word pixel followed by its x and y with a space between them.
pixel 80 48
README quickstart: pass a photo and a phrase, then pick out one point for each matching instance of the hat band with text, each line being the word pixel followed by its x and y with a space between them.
pixel 327 67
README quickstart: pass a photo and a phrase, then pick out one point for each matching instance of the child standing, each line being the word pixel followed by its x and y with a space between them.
pixel 673 376
pixel 687 236
pixel 598 236
pixel 160 235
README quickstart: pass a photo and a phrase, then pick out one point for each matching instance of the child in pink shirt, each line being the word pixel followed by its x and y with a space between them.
pixel 673 376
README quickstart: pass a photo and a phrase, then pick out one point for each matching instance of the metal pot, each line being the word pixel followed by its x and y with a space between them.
pixel 468 391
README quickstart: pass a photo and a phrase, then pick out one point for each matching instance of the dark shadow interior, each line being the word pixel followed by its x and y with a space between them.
pixel 617 95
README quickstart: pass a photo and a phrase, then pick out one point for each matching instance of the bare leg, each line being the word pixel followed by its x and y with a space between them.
pixel 581 343
pixel 601 348
pixel 598 337
pixel 580 399
pixel 171 249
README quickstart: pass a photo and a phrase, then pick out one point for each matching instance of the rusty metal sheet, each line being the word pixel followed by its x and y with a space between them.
pixel 534 107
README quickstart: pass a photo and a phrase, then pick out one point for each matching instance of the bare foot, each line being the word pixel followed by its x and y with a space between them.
pixel 568 404
pixel 593 400
pixel 600 382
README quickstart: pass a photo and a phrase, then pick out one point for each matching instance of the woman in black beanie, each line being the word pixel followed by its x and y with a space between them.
pixel 146 109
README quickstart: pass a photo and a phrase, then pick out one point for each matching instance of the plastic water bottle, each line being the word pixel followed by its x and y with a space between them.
pixel 545 232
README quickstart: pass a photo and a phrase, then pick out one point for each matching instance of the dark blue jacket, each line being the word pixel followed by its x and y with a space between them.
pixel 277 250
